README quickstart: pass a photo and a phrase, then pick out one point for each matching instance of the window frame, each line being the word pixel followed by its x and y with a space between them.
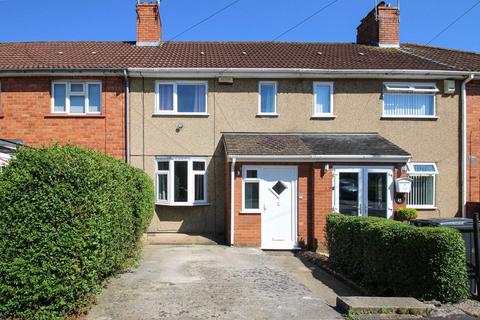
pixel 175 98
pixel 316 114
pixel 246 180
pixel 170 201
pixel 69 93
pixel 389 89
pixel 275 110
pixel 413 173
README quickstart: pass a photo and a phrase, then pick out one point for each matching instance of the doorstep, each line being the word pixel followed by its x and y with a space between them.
pixel 382 305
pixel 178 239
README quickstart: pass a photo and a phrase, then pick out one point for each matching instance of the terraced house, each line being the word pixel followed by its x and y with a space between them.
pixel 254 143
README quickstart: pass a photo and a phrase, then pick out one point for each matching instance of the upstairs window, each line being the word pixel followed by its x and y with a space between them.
pixel 181 181
pixel 423 175
pixel 181 97
pixel 268 98
pixel 323 99
pixel 409 100
pixel 76 97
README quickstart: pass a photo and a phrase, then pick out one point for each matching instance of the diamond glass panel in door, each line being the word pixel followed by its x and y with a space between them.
pixel 377 195
pixel 348 193
pixel 191 98
pixel 181 181
pixel 279 187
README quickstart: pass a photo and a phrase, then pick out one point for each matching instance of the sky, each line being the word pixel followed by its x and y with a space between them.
pixel 246 20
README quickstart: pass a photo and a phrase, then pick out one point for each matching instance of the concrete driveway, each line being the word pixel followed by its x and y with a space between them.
pixel 210 282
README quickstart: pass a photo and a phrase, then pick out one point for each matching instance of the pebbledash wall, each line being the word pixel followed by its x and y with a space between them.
pixel 25 114
pixel 233 108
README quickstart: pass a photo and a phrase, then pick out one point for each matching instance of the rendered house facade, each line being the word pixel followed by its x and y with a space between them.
pixel 254 143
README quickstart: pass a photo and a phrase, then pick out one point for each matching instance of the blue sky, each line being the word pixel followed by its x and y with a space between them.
pixel 49 20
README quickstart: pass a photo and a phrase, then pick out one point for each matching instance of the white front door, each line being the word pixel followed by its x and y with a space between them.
pixel 364 191
pixel 278 194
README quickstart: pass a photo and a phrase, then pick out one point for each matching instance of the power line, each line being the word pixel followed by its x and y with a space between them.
pixel 231 4
pixel 452 23
pixel 305 20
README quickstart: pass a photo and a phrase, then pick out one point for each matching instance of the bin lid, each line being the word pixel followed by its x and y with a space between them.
pixel 444 222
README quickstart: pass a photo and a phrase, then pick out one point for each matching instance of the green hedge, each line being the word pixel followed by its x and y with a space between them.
pixel 69 218
pixel 390 258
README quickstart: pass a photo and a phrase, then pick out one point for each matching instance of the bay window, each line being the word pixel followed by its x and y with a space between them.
pixel 422 195
pixel 76 97
pixel 181 97
pixel 409 100
pixel 181 181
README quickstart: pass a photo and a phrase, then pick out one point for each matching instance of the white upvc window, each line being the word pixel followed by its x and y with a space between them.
pixel 77 97
pixel 181 181
pixel 422 195
pixel 250 190
pixel 409 100
pixel 267 100
pixel 323 99
pixel 181 97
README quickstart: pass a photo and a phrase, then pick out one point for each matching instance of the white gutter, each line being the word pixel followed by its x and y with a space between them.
pixel 127 120
pixel 464 144
pixel 232 201
pixel 313 158
pixel 292 73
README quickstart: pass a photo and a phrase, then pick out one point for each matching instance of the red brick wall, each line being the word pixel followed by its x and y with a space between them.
pixel 149 26
pixel 385 31
pixel 473 147
pixel 322 203
pixel 25 105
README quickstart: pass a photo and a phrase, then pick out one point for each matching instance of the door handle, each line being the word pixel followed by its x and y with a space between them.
pixel 264 208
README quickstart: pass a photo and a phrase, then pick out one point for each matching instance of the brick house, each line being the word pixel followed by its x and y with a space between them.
pixel 254 143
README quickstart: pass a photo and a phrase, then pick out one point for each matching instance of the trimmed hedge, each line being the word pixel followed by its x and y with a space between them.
pixel 390 258
pixel 69 218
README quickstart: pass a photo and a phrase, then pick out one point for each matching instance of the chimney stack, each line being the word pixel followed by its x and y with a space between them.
pixel 381 27
pixel 149 23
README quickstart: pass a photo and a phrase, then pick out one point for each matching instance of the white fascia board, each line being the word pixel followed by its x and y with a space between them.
pixel 315 158
pixel 292 73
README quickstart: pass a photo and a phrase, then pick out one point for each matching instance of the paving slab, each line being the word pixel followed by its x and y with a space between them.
pixel 379 305
pixel 209 282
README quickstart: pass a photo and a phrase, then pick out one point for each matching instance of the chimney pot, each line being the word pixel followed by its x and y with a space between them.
pixel 149 23
pixel 381 27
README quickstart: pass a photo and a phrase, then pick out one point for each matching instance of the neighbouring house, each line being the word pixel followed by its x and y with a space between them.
pixel 254 143
pixel 59 92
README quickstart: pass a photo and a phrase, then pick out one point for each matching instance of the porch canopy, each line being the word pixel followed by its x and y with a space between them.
pixel 312 147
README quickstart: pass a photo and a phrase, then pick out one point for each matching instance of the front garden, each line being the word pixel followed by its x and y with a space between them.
pixel 69 219
pixel 390 258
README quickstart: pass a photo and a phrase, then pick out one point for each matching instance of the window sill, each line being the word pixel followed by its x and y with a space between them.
pixel 186 114
pixel 182 204
pixel 267 115
pixel 422 208
pixel 409 118
pixel 75 116
pixel 250 213
pixel 325 117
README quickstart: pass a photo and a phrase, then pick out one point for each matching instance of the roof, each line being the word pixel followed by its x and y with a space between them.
pixel 310 144
pixel 298 55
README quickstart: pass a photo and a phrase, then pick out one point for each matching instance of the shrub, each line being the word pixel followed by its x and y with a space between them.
pixel 390 258
pixel 406 214
pixel 69 218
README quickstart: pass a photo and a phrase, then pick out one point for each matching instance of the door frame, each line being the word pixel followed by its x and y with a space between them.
pixel 294 214
pixel 362 185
